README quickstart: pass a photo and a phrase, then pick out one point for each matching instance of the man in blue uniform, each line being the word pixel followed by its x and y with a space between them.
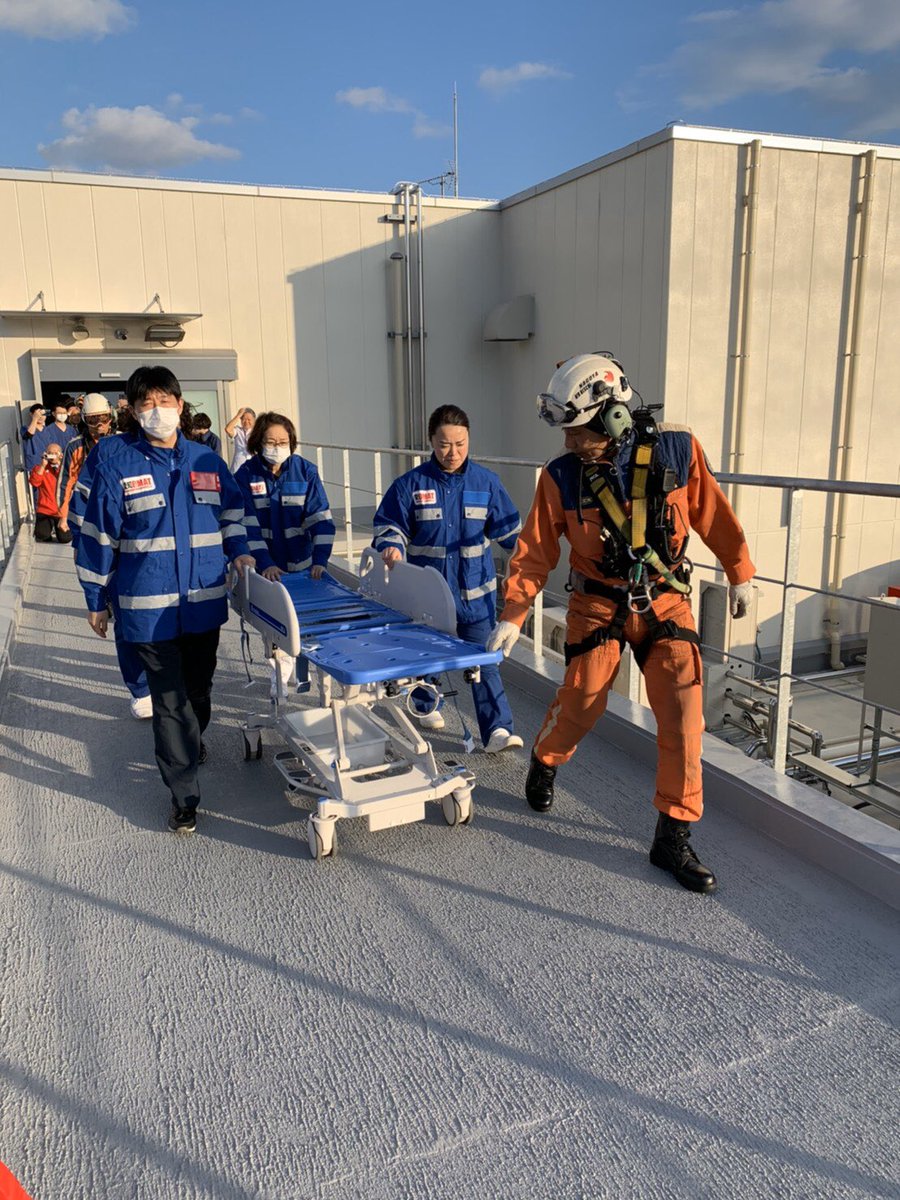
pixel 163 519
pixel 445 514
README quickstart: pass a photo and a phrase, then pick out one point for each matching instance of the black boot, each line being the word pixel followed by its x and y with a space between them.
pixel 672 851
pixel 539 785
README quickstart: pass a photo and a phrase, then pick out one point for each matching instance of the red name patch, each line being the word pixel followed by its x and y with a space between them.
pixel 138 483
pixel 425 497
pixel 205 481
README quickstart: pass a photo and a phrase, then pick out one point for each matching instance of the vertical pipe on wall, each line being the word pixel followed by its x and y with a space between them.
pixel 861 216
pixel 407 302
pixel 420 289
pixel 751 208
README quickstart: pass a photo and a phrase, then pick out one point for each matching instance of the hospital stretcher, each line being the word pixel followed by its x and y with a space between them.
pixel 357 753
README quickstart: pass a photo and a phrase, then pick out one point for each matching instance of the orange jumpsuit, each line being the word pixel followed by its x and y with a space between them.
pixel 564 506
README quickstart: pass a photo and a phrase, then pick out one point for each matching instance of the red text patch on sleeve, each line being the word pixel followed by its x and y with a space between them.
pixel 205 481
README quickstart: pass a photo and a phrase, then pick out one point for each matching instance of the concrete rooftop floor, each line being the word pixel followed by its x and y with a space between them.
pixel 524 1007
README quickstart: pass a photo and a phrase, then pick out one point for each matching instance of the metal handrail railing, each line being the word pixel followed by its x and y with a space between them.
pixel 10 516
pixel 792 486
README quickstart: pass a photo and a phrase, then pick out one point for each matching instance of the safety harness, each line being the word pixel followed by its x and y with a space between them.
pixel 631 535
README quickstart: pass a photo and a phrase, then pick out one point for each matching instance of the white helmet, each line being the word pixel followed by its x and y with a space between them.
pixel 95 405
pixel 580 387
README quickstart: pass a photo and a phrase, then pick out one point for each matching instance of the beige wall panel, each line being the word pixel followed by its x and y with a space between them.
pixel 214 289
pixel 272 289
pixel 301 224
pixel 123 286
pixel 243 274
pixel 629 346
pixel 374 385
pixel 342 255
pixel 182 241
pixel 712 284
pixel 585 320
pixel 821 346
pixel 73 247
pixel 153 247
pixel 611 259
pixel 13 275
pixel 655 272
pixel 39 270
pixel 679 317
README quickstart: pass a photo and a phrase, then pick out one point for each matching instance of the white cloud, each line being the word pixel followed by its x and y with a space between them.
pixel 140 139
pixel 788 46
pixel 380 100
pixel 424 127
pixel 373 99
pixel 504 79
pixel 59 19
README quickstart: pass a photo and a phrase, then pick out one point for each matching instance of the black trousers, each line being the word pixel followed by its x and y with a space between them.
pixel 45 526
pixel 180 674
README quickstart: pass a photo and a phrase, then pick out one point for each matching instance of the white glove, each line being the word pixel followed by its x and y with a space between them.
pixel 503 637
pixel 739 598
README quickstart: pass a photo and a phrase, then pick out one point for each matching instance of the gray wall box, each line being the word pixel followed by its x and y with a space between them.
pixel 512 321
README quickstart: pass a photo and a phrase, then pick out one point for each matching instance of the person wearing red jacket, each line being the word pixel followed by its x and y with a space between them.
pixel 44 477
pixel 625 495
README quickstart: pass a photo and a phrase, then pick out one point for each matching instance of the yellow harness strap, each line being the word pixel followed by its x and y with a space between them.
pixel 642 456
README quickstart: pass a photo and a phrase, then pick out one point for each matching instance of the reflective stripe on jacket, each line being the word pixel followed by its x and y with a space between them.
pixel 448 522
pixel 564 507
pixel 159 527
pixel 288 520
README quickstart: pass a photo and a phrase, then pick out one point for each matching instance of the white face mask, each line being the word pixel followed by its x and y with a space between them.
pixel 60 417
pixel 276 454
pixel 159 423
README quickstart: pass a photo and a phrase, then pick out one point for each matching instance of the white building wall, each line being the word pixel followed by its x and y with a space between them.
pixel 298 284
pixel 640 253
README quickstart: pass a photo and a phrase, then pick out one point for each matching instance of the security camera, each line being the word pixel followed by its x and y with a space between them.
pixel 121 335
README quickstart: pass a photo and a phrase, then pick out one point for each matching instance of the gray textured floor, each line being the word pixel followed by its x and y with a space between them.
pixel 521 1008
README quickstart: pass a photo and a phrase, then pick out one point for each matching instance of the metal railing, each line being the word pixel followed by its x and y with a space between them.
pixel 10 516
pixel 792 488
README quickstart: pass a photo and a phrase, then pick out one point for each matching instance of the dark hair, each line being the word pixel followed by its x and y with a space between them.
pixel 202 421
pixel 263 421
pixel 151 379
pixel 447 414
pixel 34 408
pixel 157 379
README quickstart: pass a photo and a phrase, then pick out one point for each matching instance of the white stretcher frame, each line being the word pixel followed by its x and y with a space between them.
pixel 334 746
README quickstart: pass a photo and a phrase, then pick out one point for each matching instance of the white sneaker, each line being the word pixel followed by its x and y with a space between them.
pixel 141 708
pixel 502 739
pixel 432 720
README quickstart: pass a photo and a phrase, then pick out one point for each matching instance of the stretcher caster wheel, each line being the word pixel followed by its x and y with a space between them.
pixel 320 834
pixel 252 746
pixel 457 807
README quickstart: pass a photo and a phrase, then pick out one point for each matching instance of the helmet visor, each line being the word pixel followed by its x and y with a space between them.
pixel 554 412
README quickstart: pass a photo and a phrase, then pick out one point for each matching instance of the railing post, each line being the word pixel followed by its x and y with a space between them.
pixel 320 463
pixel 788 613
pixel 377 470
pixel 348 510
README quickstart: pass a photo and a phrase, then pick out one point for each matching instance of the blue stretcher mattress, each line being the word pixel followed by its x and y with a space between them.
pixel 357 640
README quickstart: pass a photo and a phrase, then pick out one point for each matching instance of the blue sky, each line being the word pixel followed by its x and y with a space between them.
pixel 359 95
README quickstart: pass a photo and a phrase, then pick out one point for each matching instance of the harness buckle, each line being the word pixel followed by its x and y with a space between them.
pixel 641 601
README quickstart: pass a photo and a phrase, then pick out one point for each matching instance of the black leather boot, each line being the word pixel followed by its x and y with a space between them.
pixel 539 785
pixel 672 851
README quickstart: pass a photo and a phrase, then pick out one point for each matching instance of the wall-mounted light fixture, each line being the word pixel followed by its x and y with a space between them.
pixel 164 333
pixel 80 331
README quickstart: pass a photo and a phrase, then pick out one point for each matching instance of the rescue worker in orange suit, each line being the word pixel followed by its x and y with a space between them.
pixel 625 494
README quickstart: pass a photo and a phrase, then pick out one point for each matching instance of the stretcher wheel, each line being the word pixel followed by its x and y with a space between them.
pixel 321 836
pixel 457 807
pixel 252 751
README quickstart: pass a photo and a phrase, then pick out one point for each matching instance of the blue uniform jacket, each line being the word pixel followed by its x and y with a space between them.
pixel 159 527
pixel 105 448
pixel 448 522
pixel 288 520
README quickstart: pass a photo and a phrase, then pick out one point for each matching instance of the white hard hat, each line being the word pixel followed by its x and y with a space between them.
pixel 580 386
pixel 95 405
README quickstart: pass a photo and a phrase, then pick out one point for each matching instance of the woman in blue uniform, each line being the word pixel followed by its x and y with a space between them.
pixel 445 514
pixel 289 525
